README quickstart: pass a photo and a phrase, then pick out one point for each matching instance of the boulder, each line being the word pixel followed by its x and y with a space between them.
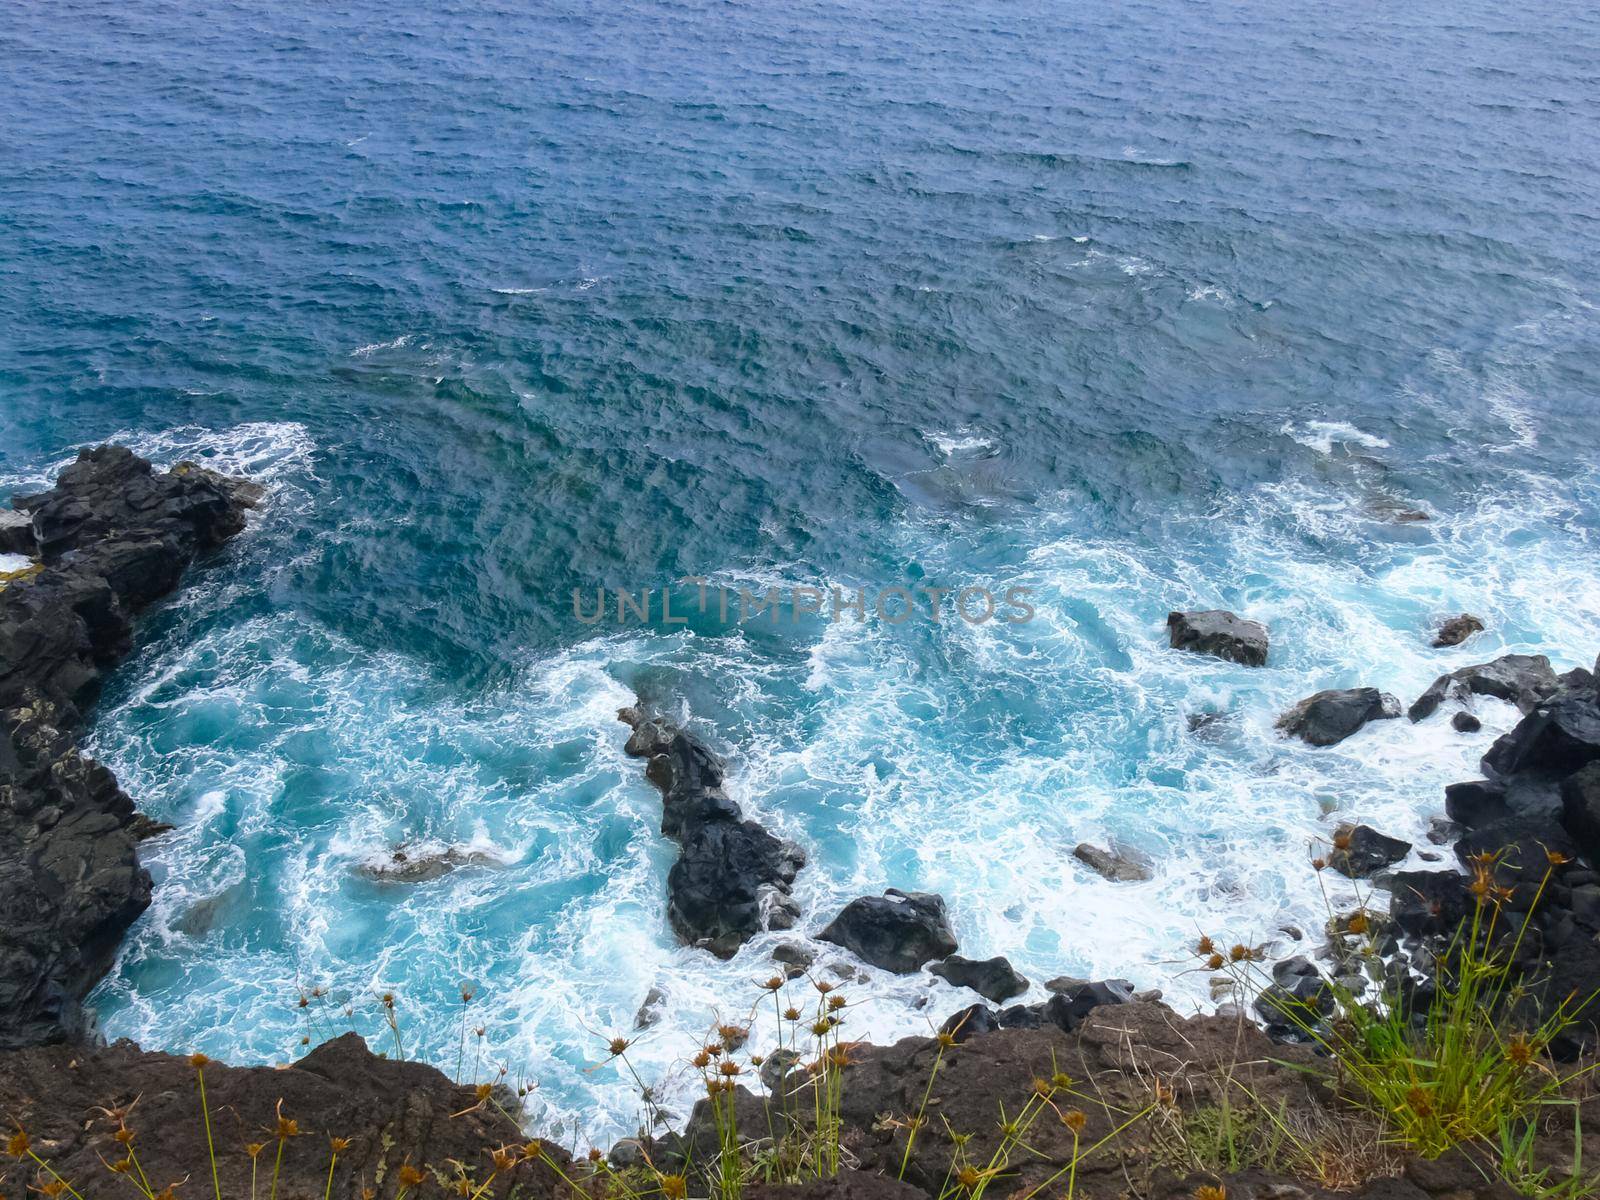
pixel 970 1021
pixel 1220 634
pixel 1359 851
pixel 1457 630
pixel 1067 1009
pixel 992 978
pixel 898 931
pixel 1520 679
pixel 1328 717
pixel 1465 722
pixel 733 878
pixel 1120 864
pixel 1557 738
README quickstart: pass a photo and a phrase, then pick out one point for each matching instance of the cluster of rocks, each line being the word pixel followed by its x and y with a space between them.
pixel 732 878
pixel 109 538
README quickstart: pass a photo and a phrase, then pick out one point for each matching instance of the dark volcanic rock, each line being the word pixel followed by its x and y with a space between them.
pixel 1520 679
pixel 1554 740
pixel 1329 717
pixel 390 1111
pixel 1067 1008
pixel 1457 630
pixel 1580 804
pixel 1465 722
pixel 1359 851
pixel 993 978
pixel 732 878
pixel 1120 864
pixel 111 536
pixel 898 931
pixel 1220 634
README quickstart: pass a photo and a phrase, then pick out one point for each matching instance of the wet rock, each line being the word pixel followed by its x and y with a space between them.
pixel 1457 630
pixel 1328 717
pixel 1120 864
pixel 414 864
pixel 1220 634
pixel 898 931
pixel 732 879
pixel 110 537
pixel 1465 722
pixel 1064 983
pixel 992 978
pixel 1359 851
pixel 1520 679
pixel 776 1066
pixel 16 533
pixel 651 1010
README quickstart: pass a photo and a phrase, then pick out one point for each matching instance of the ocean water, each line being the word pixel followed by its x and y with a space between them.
pixel 1141 306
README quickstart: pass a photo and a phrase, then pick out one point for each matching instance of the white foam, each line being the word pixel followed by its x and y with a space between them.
pixel 399 343
pixel 961 441
pixel 14 562
pixel 1323 436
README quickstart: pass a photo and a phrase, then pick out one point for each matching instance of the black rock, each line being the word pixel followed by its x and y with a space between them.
pixel 1329 717
pixel 1364 851
pixel 732 879
pixel 1068 1009
pixel 1428 903
pixel 992 978
pixel 1520 679
pixel 1465 722
pixel 1220 634
pixel 898 931
pixel 1557 738
pixel 111 536
pixel 1580 810
pixel 970 1022
pixel 1457 630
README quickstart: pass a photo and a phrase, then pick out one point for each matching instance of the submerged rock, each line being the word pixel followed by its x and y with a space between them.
pixel 1120 864
pixel 421 864
pixel 1520 679
pixel 110 537
pixel 898 931
pixel 992 978
pixel 1328 717
pixel 1457 630
pixel 732 878
pixel 1220 634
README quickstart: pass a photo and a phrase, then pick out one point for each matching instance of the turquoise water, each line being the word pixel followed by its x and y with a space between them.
pixel 1142 307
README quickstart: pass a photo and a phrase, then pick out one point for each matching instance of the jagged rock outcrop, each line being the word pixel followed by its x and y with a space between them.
pixel 391 1112
pixel 732 878
pixel 898 931
pixel 110 537
pixel 1528 826
pixel 1520 679
pixel 1220 634
pixel 1328 717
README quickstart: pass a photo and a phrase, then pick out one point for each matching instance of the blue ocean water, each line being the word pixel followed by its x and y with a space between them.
pixel 1142 306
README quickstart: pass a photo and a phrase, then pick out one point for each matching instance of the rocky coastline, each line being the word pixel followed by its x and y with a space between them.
pixel 113 535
